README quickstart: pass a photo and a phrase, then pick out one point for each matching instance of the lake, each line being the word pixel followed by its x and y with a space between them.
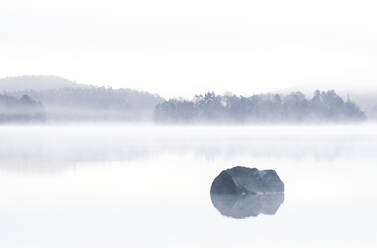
pixel 149 186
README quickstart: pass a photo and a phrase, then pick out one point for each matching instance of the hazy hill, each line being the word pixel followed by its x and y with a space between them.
pixel 65 100
pixel 23 109
pixel 22 83
pixel 95 103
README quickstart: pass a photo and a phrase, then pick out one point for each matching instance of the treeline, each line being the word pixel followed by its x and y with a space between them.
pixel 295 107
pixel 107 104
pixel 23 109
pixel 95 104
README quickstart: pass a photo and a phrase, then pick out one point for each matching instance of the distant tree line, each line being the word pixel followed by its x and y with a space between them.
pixel 295 107
pixel 24 109
pixel 95 103
pixel 107 104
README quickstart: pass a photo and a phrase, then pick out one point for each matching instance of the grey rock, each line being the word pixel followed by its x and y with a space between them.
pixel 242 192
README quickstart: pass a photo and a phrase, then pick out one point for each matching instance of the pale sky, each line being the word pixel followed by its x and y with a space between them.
pixel 179 48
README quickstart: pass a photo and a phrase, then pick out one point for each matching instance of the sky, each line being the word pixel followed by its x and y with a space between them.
pixel 181 48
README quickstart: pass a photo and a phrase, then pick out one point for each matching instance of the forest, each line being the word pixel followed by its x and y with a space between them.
pixel 325 106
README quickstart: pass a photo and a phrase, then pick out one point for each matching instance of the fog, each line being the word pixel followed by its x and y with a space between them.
pixel 70 144
pixel 144 185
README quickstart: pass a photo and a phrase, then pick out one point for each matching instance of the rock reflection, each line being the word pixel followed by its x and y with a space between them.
pixel 242 192
pixel 243 206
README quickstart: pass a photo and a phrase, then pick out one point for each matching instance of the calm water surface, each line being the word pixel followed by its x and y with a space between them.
pixel 148 186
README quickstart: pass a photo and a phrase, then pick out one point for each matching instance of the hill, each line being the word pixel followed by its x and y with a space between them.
pixel 11 84
pixel 95 103
pixel 23 109
pixel 65 100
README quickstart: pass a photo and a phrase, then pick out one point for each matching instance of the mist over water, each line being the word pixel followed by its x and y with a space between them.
pixel 145 185
pixel 72 144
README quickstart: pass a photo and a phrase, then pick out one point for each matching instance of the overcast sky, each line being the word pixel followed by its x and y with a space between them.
pixel 187 47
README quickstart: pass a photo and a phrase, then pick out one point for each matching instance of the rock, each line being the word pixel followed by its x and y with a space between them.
pixel 243 180
pixel 242 192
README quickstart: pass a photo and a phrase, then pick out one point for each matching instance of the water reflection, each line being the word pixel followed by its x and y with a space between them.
pixel 242 192
pixel 243 206
pixel 56 148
